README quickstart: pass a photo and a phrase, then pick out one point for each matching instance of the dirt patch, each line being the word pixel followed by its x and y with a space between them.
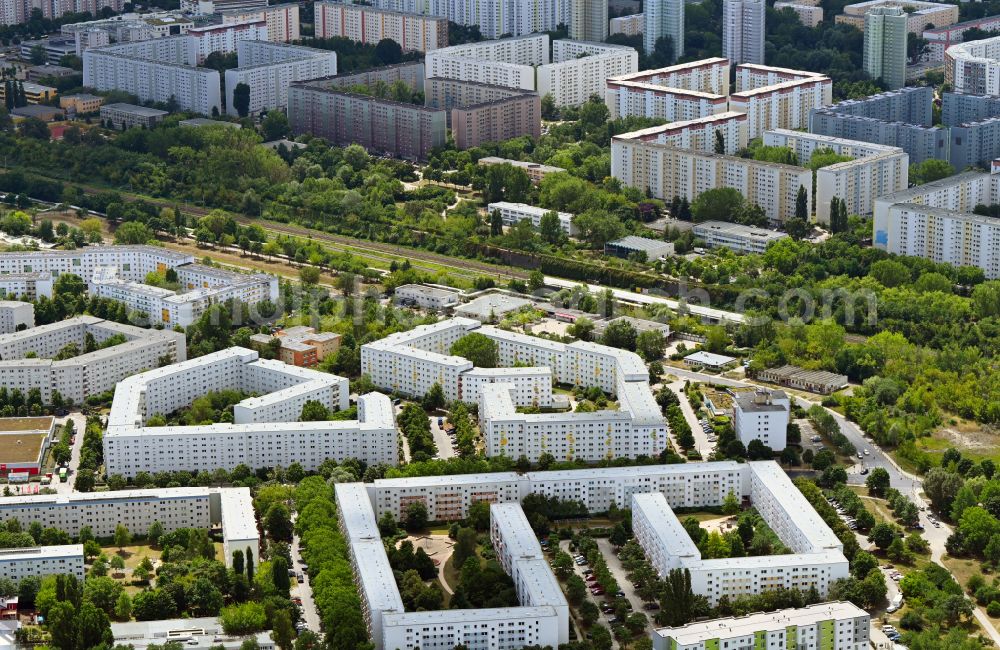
pixel 971 436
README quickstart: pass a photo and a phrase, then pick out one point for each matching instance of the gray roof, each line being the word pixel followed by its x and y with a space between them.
pixel 135 109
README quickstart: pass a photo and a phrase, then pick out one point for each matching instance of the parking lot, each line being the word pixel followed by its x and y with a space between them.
pixel 445 443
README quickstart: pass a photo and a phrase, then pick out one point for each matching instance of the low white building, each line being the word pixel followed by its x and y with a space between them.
pixel 427 297
pixel 265 432
pixel 16 316
pixel 832 626
pixel 193 633
pixel 173 508
pixel 89 373
pixel 512 213
pixel 41 561
pixel 30 285
pixel 736 237
pixel 762 415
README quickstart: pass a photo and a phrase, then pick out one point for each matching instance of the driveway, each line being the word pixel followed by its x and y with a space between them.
pixel 80 421
pixel 619 573
pixel 303 590
pixel 701 442
pixel 441 439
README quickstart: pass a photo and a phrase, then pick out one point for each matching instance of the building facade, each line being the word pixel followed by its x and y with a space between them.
pixel 88 373
pixel 762 415
pixel 665 172
pixel 919 14
pixel 283 24
pixel 736 237
pixel 885 45
pixel 414 32
pixel 834 626
pixel 269 69
pixel 743 31
pixel 973 67
pixel 664 19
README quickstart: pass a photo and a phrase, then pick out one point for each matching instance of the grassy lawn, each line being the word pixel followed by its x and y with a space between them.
pixel 877 507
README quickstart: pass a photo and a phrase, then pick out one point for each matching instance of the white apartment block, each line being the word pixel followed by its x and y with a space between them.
pixel 652 492
pixel 685 91
pixel 412 31
pixel 521 557
pixel 876 171
pixel 512 213
pixel 778 98
pixel 15 316
pixel 585 19
pixel 743 31
pixel 270 68
pixel 174 508
pixel 41 561
pixel 700 134
pixel 809 15
pixel 510 628
pixel 447 498
pixel 665 172
pixel 30 285
pixel 935 221
pixel 575 71
pixel 736 237
pixel 224 37
pixel 579 69
pixel 265 431
pixel 942 235
pixel 816 562
pixel 836 625
pixel 158 70
pixel 411 365
pixel 974 67
pixel 202 287
pixel 628 25
pixel 599 435
pixel 90 373
pixel 283 25
pixel 762 415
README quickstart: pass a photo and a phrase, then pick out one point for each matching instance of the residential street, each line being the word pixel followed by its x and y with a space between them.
pixel 303 590
pixel 74 463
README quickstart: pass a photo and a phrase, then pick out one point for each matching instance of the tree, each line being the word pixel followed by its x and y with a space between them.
pixel 282 632
pixel 241 99
pixel 245 618
pixel 275 125
pixel 597 227
pixel 122 537
pixel 309 275
pixel 620 334
pixel 550 228
pixel 930 170
pixel 387 525
pixel 133 232
pixel 678 600
pixel 719 204
pixel 650 345
pixel 802 204
pixel 278 523
pixel 618 536
pixel 878 482
pixel 882 535
pixel 388 52
pixel 238 562
pixel 477 348
pixel 730 505
pixel 466 543
pixel 720 143
pixel 797 228
pixel 314 411
pixel 434 399
pixel 941 486
pixel 279 575
pixel 416 516
pixel 862 564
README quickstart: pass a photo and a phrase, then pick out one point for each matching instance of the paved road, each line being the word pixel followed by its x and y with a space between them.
pixel 620 575
pixel 74 462
pixel 441 439
pixel 701 442
pixel 303 590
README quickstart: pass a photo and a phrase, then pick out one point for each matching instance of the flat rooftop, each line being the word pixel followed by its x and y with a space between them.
pixel 21 447
pixel 725 628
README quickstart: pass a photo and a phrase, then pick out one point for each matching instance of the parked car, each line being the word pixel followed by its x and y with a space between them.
pixel 649 607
